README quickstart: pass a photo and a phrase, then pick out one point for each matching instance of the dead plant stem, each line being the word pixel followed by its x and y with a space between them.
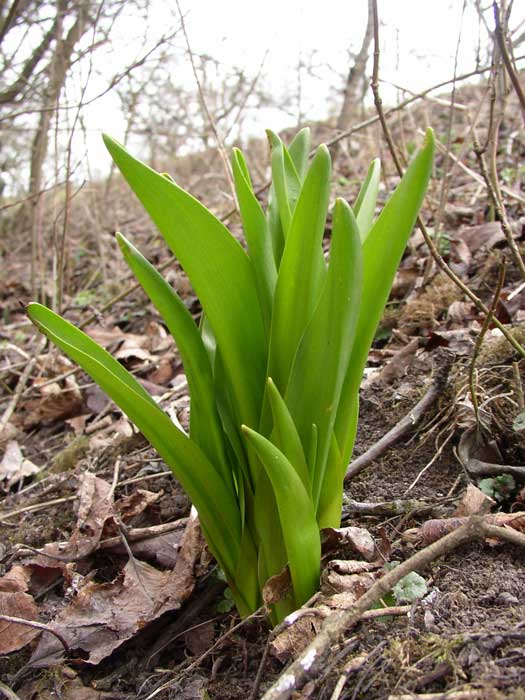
pixel 479 340
pixel 428 240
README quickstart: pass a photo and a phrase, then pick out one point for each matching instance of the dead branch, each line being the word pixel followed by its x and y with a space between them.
pixel 403 427
pixel 313 659
pixel 38 626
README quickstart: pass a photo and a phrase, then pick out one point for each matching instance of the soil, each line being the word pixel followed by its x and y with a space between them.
pixel 466 637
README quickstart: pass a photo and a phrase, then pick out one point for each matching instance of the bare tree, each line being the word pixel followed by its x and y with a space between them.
pixel 353 90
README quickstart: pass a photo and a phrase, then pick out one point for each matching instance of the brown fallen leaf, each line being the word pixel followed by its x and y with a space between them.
pixel 480 456
pixel 14 636
pixel 95 507
pixel 55 401
pixel 358 538
pixel 474 502
pixel 14 466
pixel 71 688
pixel 136 503
pixel 104 615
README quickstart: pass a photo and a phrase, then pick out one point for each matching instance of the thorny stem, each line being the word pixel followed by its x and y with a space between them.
pixel 428 240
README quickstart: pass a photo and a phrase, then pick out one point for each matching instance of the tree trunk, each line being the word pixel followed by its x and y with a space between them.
pixel 352 95
pixel 58 68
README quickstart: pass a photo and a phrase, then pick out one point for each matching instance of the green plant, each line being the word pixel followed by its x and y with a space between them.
pixel 275 367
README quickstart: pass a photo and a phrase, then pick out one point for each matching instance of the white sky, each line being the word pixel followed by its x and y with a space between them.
pixel 418 44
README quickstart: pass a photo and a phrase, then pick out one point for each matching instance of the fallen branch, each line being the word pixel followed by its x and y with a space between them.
pixel 403 427
pixel 312 660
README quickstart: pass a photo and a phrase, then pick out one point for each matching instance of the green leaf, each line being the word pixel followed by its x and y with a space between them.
pixel 202 481
pixel 285 180
pixel 519 422
pixel 331 496
pixel 219 270
pixel 321 361
pixel 285 435
pixel 302 271
pixel 296 513
pixel 205 425
pixel 382 252
pixel 256 233
pixel 411 587
pixel 299 150
pixel 365 204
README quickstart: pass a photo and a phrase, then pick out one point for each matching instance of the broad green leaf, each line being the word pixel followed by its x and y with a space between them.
pixel 321 361
pixel 219 270
pixel 382 252
pixel 205 425
pixel 285 435
pixel 286 181
pixel 275 228
pixel 256 233
pixel 365 204
pixel 214 500
pixel 302 271
pixel 331 497
pixel 299 150
pixel 296 513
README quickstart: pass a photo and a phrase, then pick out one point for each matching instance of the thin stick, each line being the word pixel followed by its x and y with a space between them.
pixel 313 659
pixel 479 341
pixel 38 626
pixel 502 44
pixel 404 426
pixel 6 690
pixel 218 139
pixel 428 240
pixel 24 378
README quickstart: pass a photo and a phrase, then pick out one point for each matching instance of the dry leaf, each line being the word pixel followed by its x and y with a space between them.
pixel 292 640
pixel 277 587
pixel 14 466
pixel 104 615
pixel 55 401
pixel 356 537
pixel 474 502
pixel 95 507
pixel 480 456
pixel 14 636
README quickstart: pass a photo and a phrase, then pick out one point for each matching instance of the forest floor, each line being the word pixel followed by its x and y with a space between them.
pixel 97 540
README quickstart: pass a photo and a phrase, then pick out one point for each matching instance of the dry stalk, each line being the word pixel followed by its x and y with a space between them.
pixel 428 240
pixel 313 659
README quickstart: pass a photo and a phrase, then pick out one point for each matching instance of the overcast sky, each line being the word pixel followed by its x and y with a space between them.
pixel 418 44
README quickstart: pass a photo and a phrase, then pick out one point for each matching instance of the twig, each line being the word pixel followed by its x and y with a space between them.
pixel 38 626
pixel 432 461
pixel 313 658
pixel 6 690
pixel 474 175
pixel 201 658
pixel 428 240
pixel 218 139
pixel 24 377
pixel 502 44
pixel 479 341
pixel 405 424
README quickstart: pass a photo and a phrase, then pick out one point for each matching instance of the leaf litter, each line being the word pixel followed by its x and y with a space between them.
pixel 475 593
